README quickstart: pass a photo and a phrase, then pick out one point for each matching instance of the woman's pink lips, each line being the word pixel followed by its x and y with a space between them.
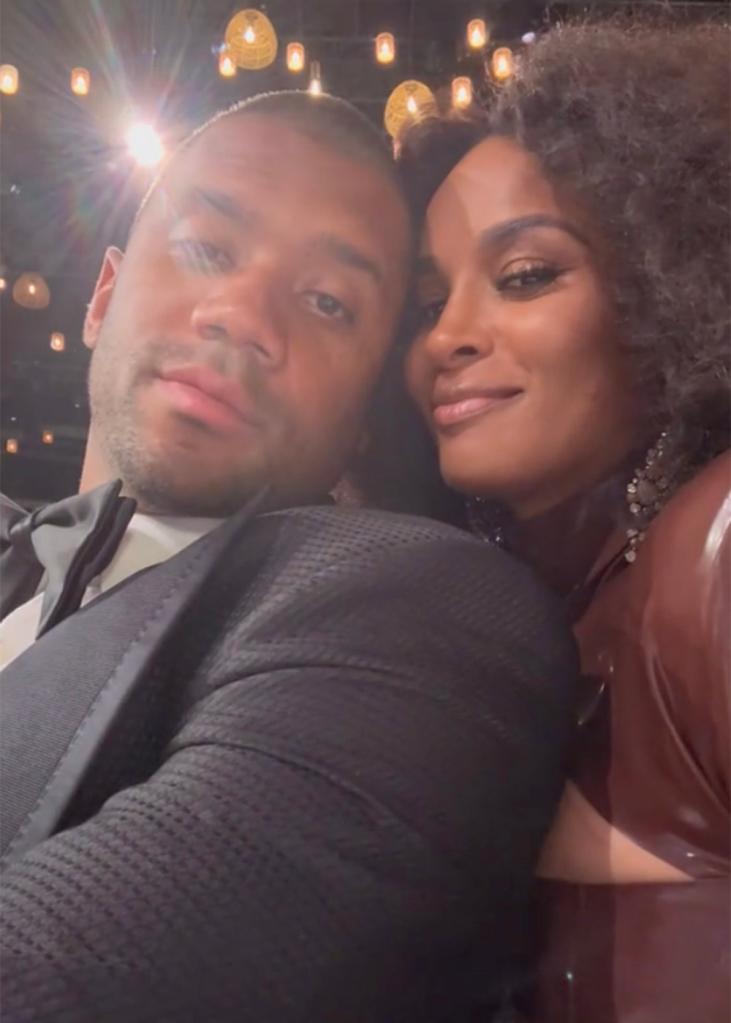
pixel 457 411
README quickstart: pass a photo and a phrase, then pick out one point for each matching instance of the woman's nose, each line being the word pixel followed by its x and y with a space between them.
pixel 458 335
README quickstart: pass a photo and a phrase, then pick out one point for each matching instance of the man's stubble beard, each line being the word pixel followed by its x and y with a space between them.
pixel 146 466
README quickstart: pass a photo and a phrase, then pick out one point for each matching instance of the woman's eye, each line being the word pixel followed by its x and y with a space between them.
pixel 200 256
pixel 328 306
pixel 528 280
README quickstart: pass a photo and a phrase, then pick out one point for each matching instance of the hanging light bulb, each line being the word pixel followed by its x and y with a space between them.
pixel 408 101
pixel 11 445
pixel 80 81
pixel 461 92
pixel 295 57
pixel 502 64
pixel 58 341
pixel 31 291
pixel 9 79
pixel 251 40
pixel 226 64
pixel 3 283
pixel 385 48
pixel 477 34
pixel 47 437
pixel 315 86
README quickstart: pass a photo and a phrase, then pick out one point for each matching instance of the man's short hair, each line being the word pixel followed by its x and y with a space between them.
pixel 328 120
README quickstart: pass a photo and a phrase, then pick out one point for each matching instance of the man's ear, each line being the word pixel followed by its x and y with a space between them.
pixel 97 309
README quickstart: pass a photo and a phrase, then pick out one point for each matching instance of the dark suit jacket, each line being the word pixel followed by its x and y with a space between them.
pixel 299 772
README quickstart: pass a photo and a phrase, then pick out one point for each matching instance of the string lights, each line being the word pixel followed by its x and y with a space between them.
pixel 295 57
pixel 80 81
pixel 385 48
pixel 9 79
pixel 461 92
pixel 477 34
pixel 502 64
pixel 58 341
pixel 315 86
pixel 47 437
pixel 11 445
pixel 226 64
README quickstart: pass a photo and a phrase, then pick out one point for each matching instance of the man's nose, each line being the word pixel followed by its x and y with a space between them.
pixel 460 335
pixel 245 309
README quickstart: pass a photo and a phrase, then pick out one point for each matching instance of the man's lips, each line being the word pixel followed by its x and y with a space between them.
pixel 207 396
pixel 454 406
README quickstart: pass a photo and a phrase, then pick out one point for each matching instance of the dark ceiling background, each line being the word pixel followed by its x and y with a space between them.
pixel 68 188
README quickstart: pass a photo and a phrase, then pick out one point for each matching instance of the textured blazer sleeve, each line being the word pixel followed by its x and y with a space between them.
pixel 344 827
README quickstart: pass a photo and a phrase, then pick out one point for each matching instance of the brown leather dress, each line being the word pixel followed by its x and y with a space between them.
pixel 653 759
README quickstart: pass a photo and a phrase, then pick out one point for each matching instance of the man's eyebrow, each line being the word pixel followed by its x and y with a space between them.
pixel 510 229
pixel 212 199
pixel 344 252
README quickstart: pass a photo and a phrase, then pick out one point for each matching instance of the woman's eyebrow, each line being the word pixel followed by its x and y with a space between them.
pixel 508 230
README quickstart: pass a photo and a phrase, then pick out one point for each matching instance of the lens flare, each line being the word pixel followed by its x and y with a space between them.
pixel 144 145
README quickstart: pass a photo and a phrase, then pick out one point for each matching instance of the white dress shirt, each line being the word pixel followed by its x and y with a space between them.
pixel 148 540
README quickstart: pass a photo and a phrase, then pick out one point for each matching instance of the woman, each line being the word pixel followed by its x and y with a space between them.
pixel 571 361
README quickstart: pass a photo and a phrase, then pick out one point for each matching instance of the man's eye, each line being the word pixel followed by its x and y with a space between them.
pixel 527 280
pixel 328 306
pixel 200 256
pixel 428 314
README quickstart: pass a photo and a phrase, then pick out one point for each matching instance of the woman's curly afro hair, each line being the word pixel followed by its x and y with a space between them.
pixel 634 120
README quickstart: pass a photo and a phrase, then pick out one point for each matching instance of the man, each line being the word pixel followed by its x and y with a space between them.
pixel 298 768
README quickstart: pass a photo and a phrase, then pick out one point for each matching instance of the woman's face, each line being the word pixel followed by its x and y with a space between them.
pixel 516 366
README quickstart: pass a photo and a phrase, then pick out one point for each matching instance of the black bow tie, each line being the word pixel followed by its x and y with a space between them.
pixel 72 540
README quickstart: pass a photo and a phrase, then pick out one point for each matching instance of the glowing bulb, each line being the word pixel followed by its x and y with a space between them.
pixel 461 93
pixel 11 446
pixel 315 86
pixel 80 81
pixel 58 341
pixel 412 106
pixel 295 57
pixel 9 79
pixel 47 437
pixel 144 145
pixel 385 48
pixel 476 34
pixel 32 288
pixel 3 284
pixel 226 65
pixel 502 64
pixel 528 38
pixel 249 34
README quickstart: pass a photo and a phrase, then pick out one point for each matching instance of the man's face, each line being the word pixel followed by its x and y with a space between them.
pixel 236 342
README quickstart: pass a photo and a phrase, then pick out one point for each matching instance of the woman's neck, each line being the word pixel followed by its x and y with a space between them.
pixel 564 543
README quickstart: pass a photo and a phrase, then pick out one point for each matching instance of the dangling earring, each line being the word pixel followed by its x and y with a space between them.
pixel 646 493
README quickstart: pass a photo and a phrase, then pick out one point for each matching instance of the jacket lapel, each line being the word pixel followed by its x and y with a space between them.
pixel 61 697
